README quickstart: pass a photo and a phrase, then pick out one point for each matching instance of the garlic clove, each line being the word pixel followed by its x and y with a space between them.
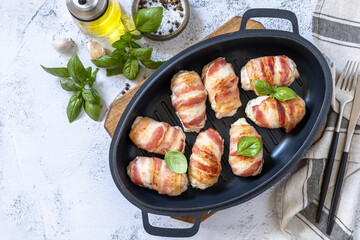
pixel 63 44
pixel 95 50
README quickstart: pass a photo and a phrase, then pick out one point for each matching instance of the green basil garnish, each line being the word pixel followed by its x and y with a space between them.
pixel 127 54
pixel 284 93
pixel 126 37
pixel 131 68
pixel 74 107
pixel 92 78
pixel 80 77
pixel 58 72
pixel 249 146
pixel 91 95
pixel 76 69
pixel 141 53
pixel 152 64
pixel 176 161
pixel 70 87
pixel 114 71
pixel 263 88
pixel 136 37
pixel 106 61
pixel 119 44
pixel 92 110
pixel 148 20
pixel 134 44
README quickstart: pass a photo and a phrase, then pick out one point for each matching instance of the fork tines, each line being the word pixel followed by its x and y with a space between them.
pixel 346 80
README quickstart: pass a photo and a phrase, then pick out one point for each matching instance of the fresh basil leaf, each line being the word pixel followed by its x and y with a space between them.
pixel 92 110
pixel 118 67
pixel 118 53
pixel 176 161
pixel 88 72
pixel 152 64
pixel 76 69
pixel 141 53
pixel 134 44
pixel 148 20
pixel 249 146
pixel 126 37
pixel 74 107
pixel 114 71
pixel 105 61
pixel 262 87
pixel 131 68
pixel 284 93
pixel 136 37
pixel 120 44
pixel 58 72
pixel 91 95
pixel 70 87
pixel 92 78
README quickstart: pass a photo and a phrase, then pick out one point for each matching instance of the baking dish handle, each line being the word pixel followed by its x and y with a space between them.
pixel 271 13
pixel 171 232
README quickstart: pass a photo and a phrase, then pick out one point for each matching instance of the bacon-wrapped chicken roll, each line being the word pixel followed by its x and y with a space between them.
pixel 221 83
pixel 205 166
pixel 242 165
pixel 189 99
pixel 153 173
pixel 276 70
pixel 156 137
pixel 271 113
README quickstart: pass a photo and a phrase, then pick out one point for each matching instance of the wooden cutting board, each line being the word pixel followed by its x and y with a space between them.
pixel 118 106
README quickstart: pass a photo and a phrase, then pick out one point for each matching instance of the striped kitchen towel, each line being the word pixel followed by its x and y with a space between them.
pixel 297 196
pixel 336 32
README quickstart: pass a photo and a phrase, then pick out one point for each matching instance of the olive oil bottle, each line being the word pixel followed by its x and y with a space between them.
pixel 98 18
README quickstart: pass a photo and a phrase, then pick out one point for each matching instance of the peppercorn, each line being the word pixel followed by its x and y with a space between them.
pixel 171 30
pixel 181 15
pixel 123 92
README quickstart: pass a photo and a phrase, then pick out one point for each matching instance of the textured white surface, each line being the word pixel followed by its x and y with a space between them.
pixel 55 181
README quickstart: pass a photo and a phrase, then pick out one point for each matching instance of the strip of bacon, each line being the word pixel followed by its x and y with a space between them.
pixel 271 113
pixel 221 83
pixel 153 173
pixel 242 165
pixel 276 70
pixel 156 137
pixel 189 99
pixel 205 166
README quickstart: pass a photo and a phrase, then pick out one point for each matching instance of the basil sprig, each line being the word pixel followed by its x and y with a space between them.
pixel 249 146
pixel 78 78
pixel 263 88
pixel 127 54
pixel 176 161
pixel 148 20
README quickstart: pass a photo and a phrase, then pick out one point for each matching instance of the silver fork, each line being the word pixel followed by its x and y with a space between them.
pixel 344 93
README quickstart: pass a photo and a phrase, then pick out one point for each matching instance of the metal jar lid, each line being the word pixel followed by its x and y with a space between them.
pixel 87 10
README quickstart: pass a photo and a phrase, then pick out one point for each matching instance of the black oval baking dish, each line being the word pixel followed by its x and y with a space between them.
pixel 282 151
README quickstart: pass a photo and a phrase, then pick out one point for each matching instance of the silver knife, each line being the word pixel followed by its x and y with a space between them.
pixel 355 113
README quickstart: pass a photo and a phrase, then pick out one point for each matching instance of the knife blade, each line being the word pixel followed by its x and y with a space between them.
pixel 355 113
